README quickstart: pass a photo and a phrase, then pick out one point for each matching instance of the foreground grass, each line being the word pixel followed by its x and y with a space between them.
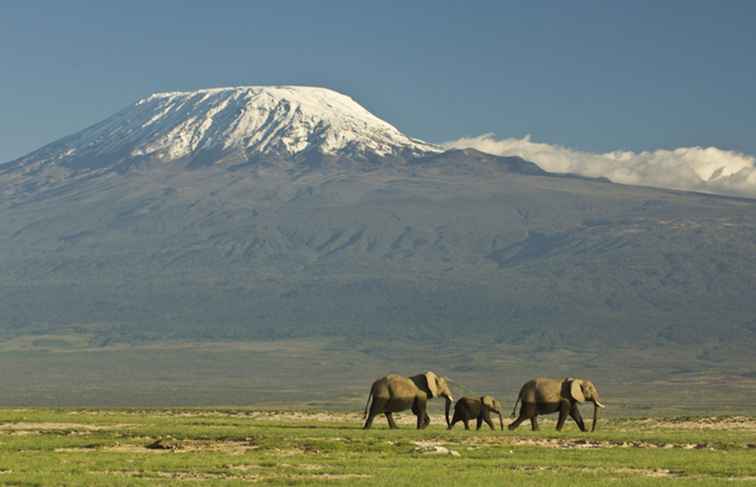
pixel 236 447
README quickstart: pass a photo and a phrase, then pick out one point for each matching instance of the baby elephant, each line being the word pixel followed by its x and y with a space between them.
pixel 469 408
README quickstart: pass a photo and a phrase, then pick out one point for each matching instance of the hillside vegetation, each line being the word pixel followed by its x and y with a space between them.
pixel 462 244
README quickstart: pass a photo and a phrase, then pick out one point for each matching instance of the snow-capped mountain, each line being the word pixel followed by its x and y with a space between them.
pixel 233 125
pixel 293 212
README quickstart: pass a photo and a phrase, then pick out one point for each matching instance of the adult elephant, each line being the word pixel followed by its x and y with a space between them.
pixel 545 396
pixel 395 393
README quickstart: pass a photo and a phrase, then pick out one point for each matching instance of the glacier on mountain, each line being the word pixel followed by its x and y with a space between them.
pixel 237 123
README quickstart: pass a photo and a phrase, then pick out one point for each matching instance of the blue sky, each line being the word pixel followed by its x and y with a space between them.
pixel 593 76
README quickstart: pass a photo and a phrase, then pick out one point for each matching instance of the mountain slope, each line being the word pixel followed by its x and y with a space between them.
pixel 223 253
pixel 255 241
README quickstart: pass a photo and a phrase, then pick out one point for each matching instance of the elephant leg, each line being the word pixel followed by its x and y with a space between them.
pixel 478 422
pixel 369 421
pixel 458 416
pixel 487 419
pixel 419 408
pixel 514 424
pixel 578 418
pixel 418 414
pixel 467 423
pixel 376 408
pixel 391 422
pixel 564 409
pixel 534 423
pixel 526 411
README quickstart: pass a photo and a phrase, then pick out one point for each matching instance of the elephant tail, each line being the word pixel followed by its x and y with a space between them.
pixel 514 408
pixel 519 398
pixel 367 404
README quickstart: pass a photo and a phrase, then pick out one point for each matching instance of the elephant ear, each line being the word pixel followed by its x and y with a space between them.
pixel 432 380
pixel 488 401
pixel 576 390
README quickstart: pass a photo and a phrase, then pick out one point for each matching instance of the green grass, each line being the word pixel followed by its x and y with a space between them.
pixel 335 374
pixel 238 446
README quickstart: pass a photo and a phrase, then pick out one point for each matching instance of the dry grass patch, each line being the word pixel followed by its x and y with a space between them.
pixel 623 471
pixel 183 446
pixel 579 443
pixel 29 427
pixel 182 475
pixel 159 475
pixel 736 423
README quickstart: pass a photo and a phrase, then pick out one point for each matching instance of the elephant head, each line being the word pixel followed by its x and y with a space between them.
pixel 584 390
pixel 495 406
pixel 434 386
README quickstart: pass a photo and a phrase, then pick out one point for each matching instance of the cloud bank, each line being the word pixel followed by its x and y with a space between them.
pixel 705 169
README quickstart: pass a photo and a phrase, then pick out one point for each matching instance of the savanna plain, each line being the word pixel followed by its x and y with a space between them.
pixel 302 425
pixel 225 446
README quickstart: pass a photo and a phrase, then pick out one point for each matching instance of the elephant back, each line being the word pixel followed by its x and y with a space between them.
pixel 545 390
pixel 400 386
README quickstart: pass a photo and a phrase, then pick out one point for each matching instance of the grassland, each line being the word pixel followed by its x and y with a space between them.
pixel 239 446
pixel 303 427
pixel 335 374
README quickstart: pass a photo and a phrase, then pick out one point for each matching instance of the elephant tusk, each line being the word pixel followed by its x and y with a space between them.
pixel 599 404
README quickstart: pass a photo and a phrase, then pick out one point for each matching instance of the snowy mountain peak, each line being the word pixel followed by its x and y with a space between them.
pixel 234 124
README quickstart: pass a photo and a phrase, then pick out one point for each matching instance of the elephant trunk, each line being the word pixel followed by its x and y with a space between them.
pixel 446 410
pixel 501 420
pixel 596 406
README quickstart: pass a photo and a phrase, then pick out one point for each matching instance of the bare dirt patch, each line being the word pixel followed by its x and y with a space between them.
pixel 182 475
pixel 436 450
pixel 79 449
pixel 434 447
pixel 230 447
pixel 31 428
pixel 570 443
pixel 303 466
pixel 330 476
pixel 129 448
pixel 429 443
pixel 641 472
pixel 738 423
pixel 246 477
pixel 174 446
pixel 587 444
pixel 288 452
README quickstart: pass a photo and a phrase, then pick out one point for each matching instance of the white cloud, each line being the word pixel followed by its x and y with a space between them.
pixel 706 169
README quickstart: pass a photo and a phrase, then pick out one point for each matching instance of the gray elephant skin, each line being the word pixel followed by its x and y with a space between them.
pixel 394 393
pixel 546 396
pixel 479 409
